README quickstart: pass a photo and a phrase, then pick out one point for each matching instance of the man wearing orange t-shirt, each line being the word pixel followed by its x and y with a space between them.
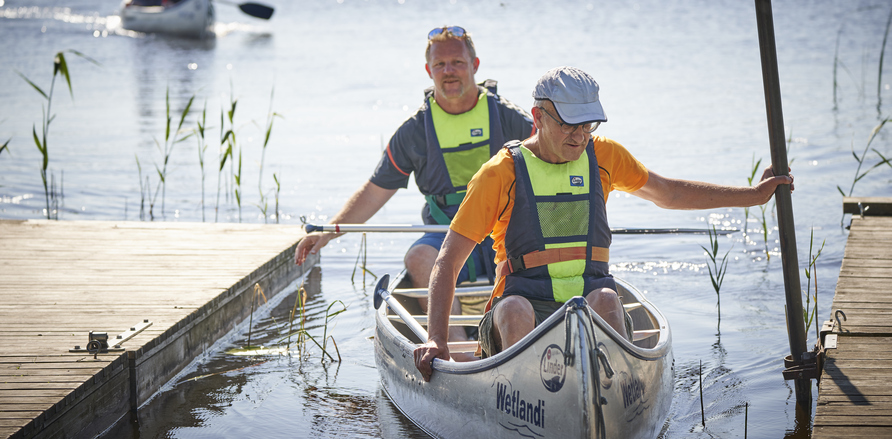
pixel 543 201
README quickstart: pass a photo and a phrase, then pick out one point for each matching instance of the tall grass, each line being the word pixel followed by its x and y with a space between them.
pixel 860 159
pixel 143 190
pixel 746 210
pixel 5 146
pixel 299 312
pixel 809 313
pixel 278 189
pixel 880 69
pixel 227 138
pixel 837 63
pixel 263 205
pixel 238 185
pixel 202 148
pixel 60 67
pixel 167 150
pixel 717 270
pixel 360 263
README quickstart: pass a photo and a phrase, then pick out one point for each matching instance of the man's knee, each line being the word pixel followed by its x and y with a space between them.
pixel 513 307
pixel 607 304
pixel 420 253
pixel 605 298
pixel 419 261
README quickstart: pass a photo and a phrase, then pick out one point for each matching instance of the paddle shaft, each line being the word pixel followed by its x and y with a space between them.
pixel 407 318
pixel 435 228
pixel 779 164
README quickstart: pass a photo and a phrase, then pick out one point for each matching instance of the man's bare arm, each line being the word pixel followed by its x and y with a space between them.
pixel 672 193
pixel 453 254
pixel 361 206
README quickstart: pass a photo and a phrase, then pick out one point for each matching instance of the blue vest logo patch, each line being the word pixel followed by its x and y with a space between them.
pixel 476 132
pixel 576 180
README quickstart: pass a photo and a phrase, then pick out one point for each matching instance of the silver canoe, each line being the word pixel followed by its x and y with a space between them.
pixel 189 18
pixel 573 377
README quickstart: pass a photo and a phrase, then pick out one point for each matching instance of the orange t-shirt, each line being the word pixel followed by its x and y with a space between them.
pixel 490 199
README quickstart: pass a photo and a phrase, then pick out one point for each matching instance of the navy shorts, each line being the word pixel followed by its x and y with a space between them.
pixel 483 256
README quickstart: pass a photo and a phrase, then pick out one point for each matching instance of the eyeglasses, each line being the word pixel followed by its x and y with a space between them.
pixel 567 128
pixel 457 31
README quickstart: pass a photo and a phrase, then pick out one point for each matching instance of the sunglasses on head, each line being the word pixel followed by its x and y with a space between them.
pixel 457 31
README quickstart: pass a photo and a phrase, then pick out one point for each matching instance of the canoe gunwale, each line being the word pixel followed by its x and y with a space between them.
pixel 661 350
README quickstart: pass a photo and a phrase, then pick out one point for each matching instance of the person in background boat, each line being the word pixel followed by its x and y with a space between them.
pixel 543 201
pixel 458 128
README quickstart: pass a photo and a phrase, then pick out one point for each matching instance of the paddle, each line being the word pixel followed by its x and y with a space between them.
pixel 252 9
pixel 382 294
pixel 786 229
pixel 425 228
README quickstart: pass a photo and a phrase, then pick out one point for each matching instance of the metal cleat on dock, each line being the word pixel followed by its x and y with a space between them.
pixel 97 342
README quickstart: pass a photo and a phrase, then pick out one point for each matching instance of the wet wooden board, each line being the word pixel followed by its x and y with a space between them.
pixel 62 279
pixel 855 394
pixel 873 206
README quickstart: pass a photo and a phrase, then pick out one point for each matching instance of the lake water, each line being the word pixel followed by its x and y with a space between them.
pixel 681 85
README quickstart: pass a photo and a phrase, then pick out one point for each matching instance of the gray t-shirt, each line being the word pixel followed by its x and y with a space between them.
pixel 407 150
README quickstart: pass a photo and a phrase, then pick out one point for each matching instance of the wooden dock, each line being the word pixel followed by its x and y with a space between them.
pixel 855 394
pixel 59 280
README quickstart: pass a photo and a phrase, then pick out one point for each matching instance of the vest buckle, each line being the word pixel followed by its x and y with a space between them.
pixel 516 264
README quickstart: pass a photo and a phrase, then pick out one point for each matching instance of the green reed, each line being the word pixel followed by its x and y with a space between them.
pixel 5 146
pixel 749 180
pixel 143 190
pixel 238 186
pixel 764 222
pixel 167 150
pixel 227 137
pixel 263 205
pixel 202 148
pixel 303 335
pixel 860 159
pixel 880 69
pixel 257 291
pixel 702 410
pixel 278 189
pixel 809 313
pixel 361 262
pixel 717 270
pixel 60 67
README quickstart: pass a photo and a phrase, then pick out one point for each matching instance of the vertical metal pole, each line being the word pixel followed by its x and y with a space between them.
pixel 787 230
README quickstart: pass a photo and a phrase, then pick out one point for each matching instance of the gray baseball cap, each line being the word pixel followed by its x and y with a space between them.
pixel 574 94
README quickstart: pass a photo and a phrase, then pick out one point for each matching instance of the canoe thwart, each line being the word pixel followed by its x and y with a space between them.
pixel 460 320
pixel 481 291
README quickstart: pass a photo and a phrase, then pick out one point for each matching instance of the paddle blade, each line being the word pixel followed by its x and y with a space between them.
pixel 381 290
pixel 256 10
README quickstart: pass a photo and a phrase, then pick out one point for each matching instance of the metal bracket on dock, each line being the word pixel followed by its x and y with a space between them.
pixel 808 367
pixel 812 364
pixel 97 342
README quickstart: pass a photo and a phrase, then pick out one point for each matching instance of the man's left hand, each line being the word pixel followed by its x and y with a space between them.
pixel 425 354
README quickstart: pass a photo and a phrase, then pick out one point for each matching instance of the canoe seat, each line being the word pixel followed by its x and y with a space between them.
pixel 462 346
pixel 644 334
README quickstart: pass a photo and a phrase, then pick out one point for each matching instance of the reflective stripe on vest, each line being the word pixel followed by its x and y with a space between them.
pixel 558 237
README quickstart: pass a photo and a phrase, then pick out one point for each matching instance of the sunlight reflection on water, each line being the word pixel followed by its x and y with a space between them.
pixel 681 84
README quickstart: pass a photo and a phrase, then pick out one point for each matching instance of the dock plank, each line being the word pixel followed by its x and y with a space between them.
pixel 62 279
pixel 855 393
